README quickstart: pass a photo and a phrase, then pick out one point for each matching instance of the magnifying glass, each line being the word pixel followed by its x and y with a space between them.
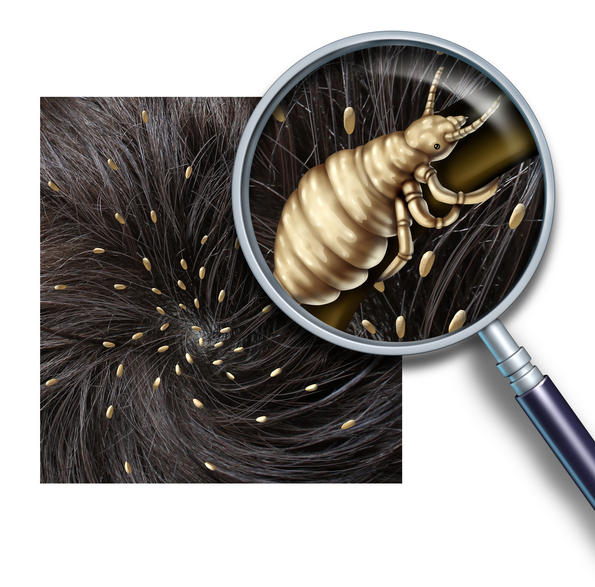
pixel 393 193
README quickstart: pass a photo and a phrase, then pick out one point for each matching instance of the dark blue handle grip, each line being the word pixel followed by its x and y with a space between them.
pixel 564 432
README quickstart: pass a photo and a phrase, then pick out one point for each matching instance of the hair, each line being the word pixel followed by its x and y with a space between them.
pixel 478 258
pixel 176 416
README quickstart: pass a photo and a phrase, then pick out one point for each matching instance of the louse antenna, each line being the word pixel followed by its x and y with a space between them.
pixel 457 135
pixel 429 110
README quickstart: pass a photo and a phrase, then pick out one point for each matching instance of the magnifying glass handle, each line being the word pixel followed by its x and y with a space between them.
pixel 546 407
pixel 564 432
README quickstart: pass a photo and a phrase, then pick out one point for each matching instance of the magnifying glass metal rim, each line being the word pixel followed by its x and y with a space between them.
pixel 243 166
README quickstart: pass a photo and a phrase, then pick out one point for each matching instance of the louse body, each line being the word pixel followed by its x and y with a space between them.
pixel 336 225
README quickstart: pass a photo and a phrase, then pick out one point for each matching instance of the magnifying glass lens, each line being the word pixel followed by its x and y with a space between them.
pixel 396 184
pixel 393 193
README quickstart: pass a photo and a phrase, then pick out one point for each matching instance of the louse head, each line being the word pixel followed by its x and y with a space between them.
pixel 437 136
pixel 429 135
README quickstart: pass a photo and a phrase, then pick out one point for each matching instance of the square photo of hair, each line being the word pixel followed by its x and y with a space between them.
pixel 162 360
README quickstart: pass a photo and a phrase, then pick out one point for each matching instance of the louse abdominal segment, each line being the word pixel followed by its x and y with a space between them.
pixel 336 225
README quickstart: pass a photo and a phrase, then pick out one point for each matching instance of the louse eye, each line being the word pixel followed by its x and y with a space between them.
pixel 436 146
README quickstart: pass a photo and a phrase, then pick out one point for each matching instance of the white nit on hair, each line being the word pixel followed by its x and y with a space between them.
pixel 517 216
pixel 349 120
pixel 348 425
pixel 278 113
pixel 458 321
pixel 426 263
pixel 369 326
pixel 400 326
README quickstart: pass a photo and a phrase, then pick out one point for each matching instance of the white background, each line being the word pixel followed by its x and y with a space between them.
pixel 483 501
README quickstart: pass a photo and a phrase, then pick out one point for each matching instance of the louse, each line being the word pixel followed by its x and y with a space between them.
pixel 336 225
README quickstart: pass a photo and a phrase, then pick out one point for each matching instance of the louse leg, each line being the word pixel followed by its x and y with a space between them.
pixel 428 175
pixel 419 207
pixel 405 241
